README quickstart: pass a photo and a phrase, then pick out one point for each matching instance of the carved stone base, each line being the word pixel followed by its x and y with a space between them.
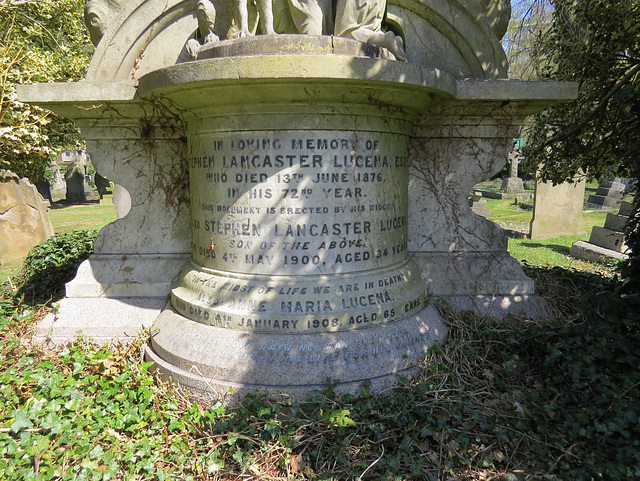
pixel 103 320
pixel 118 275
pixel 210 360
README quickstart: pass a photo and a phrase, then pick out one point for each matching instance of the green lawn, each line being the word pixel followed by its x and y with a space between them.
pixel 75 217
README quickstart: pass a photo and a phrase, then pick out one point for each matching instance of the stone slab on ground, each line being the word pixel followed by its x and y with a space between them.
pixel 604 201
pixel 527 306
pixel 492 194
pixel 593 253
pixel 103 320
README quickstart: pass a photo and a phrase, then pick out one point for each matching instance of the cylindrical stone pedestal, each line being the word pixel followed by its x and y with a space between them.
pixel 299 184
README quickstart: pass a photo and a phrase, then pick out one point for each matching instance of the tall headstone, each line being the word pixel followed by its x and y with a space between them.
pixel 558 209
pixel 75 184
pixel 308 189
pixel 24 220
pixel 513 183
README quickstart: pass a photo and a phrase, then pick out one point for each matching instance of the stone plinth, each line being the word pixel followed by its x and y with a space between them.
pixel 299 215
pixel 606 244
pixel 512 184
pixel 609 194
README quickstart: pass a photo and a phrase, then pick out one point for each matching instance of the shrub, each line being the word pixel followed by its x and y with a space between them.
pixel 51 264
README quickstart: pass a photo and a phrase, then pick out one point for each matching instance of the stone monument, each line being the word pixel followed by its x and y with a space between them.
pixel 75 184
pixel 557 209
pixel 513 183
pixel 606 244
pixel 301 194
pixel 609 194
pixel 24 219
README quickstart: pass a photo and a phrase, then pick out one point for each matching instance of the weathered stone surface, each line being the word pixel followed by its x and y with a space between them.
pixel 594 253
pixel 512 184
pixel 75 184
pixel 616 222
pixel 100 319
pixel 626 209
pixel 558 210
pixel 213 359
pixel 609 239
pixel 295 241
pixel 24 220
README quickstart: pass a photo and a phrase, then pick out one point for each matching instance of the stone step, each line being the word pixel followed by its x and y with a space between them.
pixel 615 222
pixel 609 239
pixel 593 253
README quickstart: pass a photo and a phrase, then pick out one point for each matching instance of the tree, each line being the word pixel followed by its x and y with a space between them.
pixel 597 44
pixel 40 41
pixel 530 21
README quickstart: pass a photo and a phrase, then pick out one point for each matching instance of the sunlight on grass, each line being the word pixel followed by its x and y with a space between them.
pixel 81 217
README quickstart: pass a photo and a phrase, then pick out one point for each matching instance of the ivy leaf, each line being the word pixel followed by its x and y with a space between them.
pixel 21 421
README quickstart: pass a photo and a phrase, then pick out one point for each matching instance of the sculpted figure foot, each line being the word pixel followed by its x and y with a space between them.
pixel 391 42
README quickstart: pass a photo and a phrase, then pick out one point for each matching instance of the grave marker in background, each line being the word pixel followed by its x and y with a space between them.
pixel 558 209
pixel 24 220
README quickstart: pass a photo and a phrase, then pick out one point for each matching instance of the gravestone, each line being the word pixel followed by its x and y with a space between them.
pixel 75 184
pixel 513 183
pixel 24 220
pixel 57 182
pixel 609 194
pixel 479 205
pixel 307 190
pixel 606 244
pixel 558 209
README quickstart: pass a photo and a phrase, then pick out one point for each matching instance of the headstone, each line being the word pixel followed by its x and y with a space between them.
pixel 513 183
pixel 57 182
pixel 309 189
pixel 606 244
pixel 24 220
pixel 609 194
pixel 479 205
pixel 44 189
pixel 558 209
pixel 75 184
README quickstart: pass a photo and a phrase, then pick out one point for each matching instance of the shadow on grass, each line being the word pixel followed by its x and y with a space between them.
pixel 560 249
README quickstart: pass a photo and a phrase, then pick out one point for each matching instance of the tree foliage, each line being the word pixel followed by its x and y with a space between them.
pixel 595 43
pixel 530 21
pixel 40 41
